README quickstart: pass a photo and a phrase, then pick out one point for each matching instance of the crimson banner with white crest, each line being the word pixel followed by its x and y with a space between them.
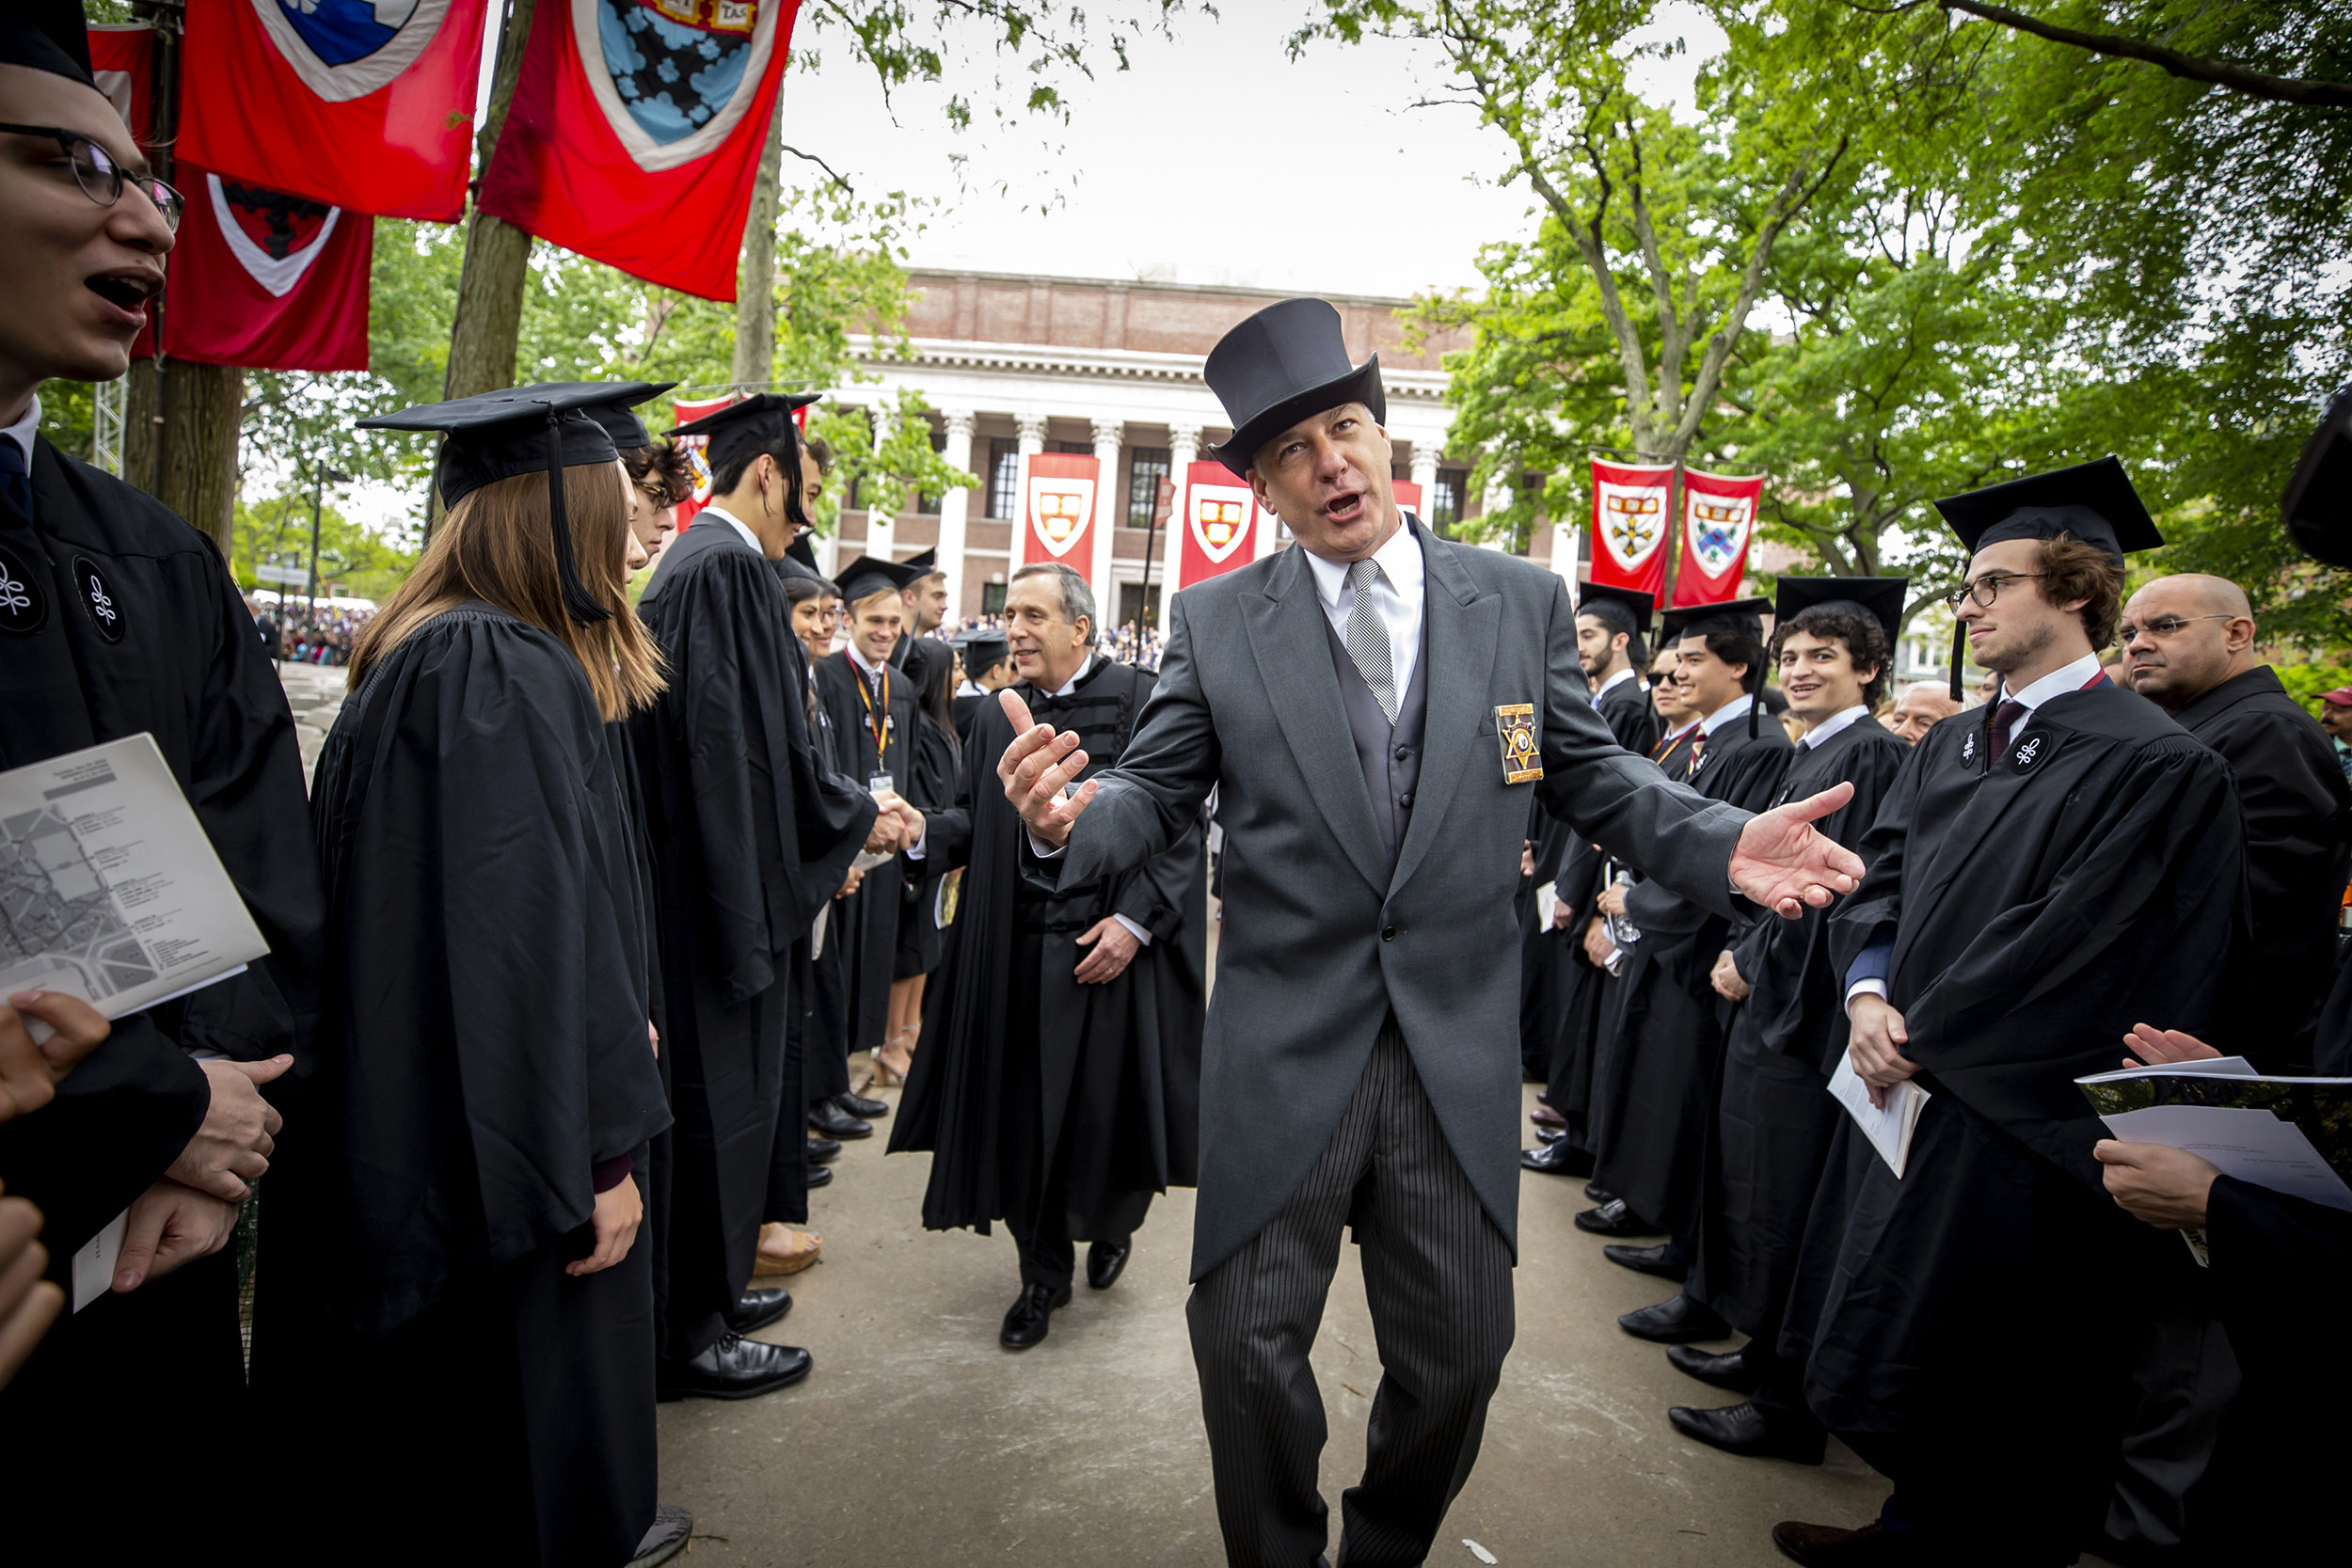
pixel 1408 497
pixel 1219 518
pixel 1718 522
pixel 1057 510
pixel 697 451
pixel 122 62
pixel 1629 518
pixel 263 279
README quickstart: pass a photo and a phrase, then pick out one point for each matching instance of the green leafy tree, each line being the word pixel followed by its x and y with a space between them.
pixel 361 563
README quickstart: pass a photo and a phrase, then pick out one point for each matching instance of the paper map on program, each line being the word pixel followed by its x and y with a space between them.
pixel 108 887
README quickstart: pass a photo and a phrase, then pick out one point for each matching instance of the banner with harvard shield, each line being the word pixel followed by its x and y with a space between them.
pixel 122 62
pixel 636 132
pixel 1631 513
pixel 1408 497
pixel 360 103
pixel 1219 519
pixel 1057 510
pixel 1718 522
pixel 266 279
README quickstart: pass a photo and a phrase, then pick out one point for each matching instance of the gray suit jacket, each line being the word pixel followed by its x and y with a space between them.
pixel 1323 938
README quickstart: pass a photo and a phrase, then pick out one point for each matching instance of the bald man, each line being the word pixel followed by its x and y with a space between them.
pixel 1917 709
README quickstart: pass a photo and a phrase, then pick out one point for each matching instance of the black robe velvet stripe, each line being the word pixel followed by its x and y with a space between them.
pixel 1774 1117
pixel 1136 1041
pixel 866 923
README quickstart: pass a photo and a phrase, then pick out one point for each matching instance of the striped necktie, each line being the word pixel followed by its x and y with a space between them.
pixel 1368 639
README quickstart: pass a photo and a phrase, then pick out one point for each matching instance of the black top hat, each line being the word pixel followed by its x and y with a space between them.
pixel 2093 502
pixel 1628 609
pixel 2318 502
pixel 1880 598
pixel 1278 367
pixel 47 35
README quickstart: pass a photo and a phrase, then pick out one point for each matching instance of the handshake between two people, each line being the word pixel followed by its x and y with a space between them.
pixel 898 826
pixel 1782 862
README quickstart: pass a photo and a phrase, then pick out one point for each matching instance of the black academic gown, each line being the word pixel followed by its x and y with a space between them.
pixel 866 923
pixel 751 832
pixel 938 758
pixel 1031 1089
pixel 1774 1117
pixel 1668 1025
pixel 2297 851
pixel 120 618
pixel 1976 1316
pixel 965 709
pixel 481 1052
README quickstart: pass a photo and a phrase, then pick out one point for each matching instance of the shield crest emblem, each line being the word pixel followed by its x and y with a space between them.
pixel 275 237
pixel 673 77
pixel 1632 523
pixel 1058 510
pixel 346 49
pixel 1220 515
pixel 1719 530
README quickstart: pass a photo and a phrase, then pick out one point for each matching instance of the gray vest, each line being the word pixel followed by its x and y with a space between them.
pixel 1389 754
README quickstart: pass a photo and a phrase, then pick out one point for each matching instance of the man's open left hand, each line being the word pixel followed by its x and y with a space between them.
pixel 1110 948
pixel 1785 864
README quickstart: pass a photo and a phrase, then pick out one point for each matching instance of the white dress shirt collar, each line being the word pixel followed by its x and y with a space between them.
pixel 1822 733
pixel 1398 594
pixel 22 432
pixel 1072 683
pixel 2056 683
pixel 1399 560
pixel 1627 673
pixel 1736 708
pixel 736 523
pixel 868 665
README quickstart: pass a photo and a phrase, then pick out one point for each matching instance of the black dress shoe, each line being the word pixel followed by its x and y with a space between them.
pixel 1560 1158
pixel 1677 1321
pixel 1666 1259
pixel 1598 1193
pixel 822 1149
pixel 1549 1134
pixel 1742 1428
pixel 1613 1218
pixel 758 1307
pixel 665 1538
pixel 1729 1370
pixel 820 1176
pixel 858 1105
pixel 834 1122
pixel 734 1369
pixel 1107 1260
pixel 1830 1546
pixel 1024 1323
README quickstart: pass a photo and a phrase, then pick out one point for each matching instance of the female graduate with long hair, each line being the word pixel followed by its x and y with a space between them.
pixel 456 1290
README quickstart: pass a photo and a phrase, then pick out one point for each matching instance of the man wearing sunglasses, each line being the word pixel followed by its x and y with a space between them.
pixel 118 618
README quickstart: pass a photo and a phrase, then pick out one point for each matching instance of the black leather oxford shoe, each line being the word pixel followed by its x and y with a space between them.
pixel 1666 1259
pixel 1613 1218
pixel 1551 1134
pixel 1722 1371
pixel 665 1538
pixel 734 1369
pixel 858 1105
pixel 820 1176
pixel 758 1307
pixel 1743 1429
pixel 834 1122
pixel 1677 1321
pixel 1557 1158
pixel 1024 1324
pixel 1598 1193
pixel 1107 1260
pixel 822 1149
pixel 1833 1546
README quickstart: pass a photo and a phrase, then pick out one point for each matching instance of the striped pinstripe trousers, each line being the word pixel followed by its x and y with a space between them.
pixel 1438 1276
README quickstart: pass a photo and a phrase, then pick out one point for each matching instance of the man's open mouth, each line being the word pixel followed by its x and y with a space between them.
pixel 1342 509
pixel 124 291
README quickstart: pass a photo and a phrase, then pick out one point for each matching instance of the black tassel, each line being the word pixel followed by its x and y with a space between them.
pixel 1959 646
pixel 584 610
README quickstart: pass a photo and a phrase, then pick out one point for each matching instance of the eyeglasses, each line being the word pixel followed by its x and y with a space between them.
pixel 1987 588
pixel 101 178
pixel 2164 626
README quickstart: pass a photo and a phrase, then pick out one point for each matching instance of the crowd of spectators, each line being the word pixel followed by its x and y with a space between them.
pixel 304 634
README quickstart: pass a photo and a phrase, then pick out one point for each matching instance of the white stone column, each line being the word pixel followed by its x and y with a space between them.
pixel 1184 450
pixel 955 506
pixel 881 528
pixel 1110 504
pixel 1030 428
pixel 1497 497
pixel 1425 470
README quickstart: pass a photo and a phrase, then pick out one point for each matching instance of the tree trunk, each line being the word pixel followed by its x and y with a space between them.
pixel 196 474
pixel 142 427
pixel 756 287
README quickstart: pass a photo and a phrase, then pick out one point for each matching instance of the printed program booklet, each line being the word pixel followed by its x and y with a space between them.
pixel 2292 1135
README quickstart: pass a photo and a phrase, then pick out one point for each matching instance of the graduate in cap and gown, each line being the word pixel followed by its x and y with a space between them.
pixel 1833 643
pixel 753 832
pixel 117 619
pixel 1059 1080
pixel 455 1226
pixel 1650 1107
pixel 986 670
pixel 2041 876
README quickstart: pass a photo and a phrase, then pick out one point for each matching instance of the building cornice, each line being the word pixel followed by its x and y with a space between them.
pixel 919 277
pixel 1016 359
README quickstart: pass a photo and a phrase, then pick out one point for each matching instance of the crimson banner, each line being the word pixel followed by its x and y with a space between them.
pixel 1219 516
pixel 697 451
pixel 1718 521
pixel 1630 513
pixel 122 59
pixel 636 132
pixel 262 279
pixel 355 103
pixel 1057 510
pixel 1407 495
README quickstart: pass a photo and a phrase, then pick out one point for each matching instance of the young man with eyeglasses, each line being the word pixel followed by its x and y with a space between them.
pixel 118 618
pixel 2041 876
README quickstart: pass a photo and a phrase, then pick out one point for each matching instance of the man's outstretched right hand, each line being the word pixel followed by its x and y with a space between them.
pixel 1037 770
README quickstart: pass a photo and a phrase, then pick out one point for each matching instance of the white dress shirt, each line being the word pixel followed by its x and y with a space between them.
pixel 22 432
pixel 1627 673
pixel 1822 733
pixel 1397 594
pixel 1736 708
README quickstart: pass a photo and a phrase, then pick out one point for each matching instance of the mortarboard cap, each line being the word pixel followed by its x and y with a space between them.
pixel 2093 502
pixel 983 647
pixel 616 408
pixel 870 574
pixel 520 430
pixel 926 564
pixel 1733 618
pixel 47 35
pixel 1627 608
pixel 755 424
pixel 800 558
pixel 2318 502
pixel 1880 598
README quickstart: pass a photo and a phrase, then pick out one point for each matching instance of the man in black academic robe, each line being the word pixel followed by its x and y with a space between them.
pixel 1652 1107
pixel 753 832
pixel 2042 875
pixel 1054 1100
pixel 117 618
pixel 1774 1117
pixel 986 670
